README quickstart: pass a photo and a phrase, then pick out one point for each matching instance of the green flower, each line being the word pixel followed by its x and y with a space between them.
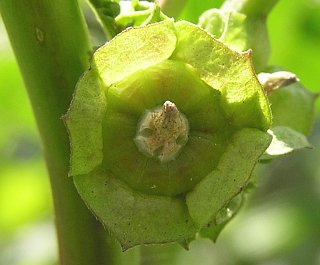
pixel 165 129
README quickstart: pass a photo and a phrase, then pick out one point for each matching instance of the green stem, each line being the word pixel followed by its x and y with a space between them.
pixel 106 11
pixel 160 254
pixel 172 8
pixel 254 8
pixel 51 46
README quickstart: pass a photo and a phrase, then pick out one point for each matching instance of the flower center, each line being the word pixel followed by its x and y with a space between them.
pixel 162 132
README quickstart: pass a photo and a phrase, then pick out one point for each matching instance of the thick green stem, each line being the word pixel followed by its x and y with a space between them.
pixel 161 254
pixel 51 46
pixel 254 8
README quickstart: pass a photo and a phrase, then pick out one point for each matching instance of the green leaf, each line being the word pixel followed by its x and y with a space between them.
pixel 229 178
pixel 135 218
pixel 293 106
pixel 135 49
pixel 84 123
pixel 227 71
pixel 285 140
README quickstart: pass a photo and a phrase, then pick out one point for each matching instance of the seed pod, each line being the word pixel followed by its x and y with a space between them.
pixel 165 129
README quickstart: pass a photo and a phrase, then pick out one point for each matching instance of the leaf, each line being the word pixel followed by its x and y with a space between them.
pixel 227 71
pixel 217 189
pixel 135 218
pixel 293 106
pixel 285 140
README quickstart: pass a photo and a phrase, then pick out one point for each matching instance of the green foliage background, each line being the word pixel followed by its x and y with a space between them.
pixel 280 223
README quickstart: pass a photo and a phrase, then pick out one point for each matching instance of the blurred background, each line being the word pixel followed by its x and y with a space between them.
pixel 280 223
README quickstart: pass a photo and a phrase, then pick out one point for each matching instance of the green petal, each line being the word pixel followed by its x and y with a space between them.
pixel 233 171
pixel 84 123
pixel 135 218
pixel 227 71
pixel 134 49
pixel 285 140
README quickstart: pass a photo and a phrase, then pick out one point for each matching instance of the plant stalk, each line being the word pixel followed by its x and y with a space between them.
pixel 51 45
pixel 253 8
pixel 172 8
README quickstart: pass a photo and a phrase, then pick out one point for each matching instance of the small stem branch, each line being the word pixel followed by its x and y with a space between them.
pixel 106 12
pixel 51 46
pixel 254 8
